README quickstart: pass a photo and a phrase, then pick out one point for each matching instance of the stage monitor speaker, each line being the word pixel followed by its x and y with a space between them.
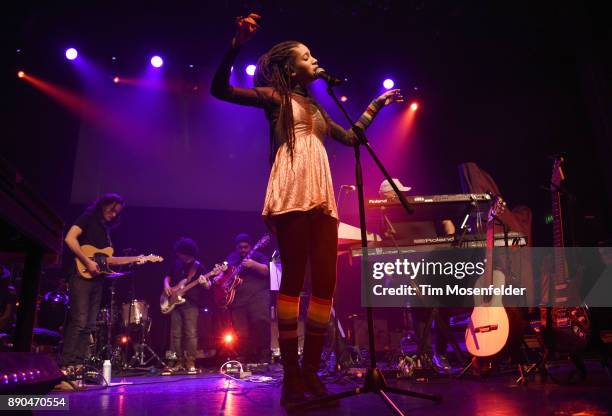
pixel 28 373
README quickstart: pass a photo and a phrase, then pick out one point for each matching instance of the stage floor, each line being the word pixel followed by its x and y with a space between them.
pixel 213 394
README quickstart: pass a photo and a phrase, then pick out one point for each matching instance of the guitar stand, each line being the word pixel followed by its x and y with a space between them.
pixel 526 369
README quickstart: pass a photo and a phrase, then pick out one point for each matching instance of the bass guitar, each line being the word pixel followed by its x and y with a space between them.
pixel 168 303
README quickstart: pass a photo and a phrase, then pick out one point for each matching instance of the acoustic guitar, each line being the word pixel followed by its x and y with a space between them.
pixel 489 327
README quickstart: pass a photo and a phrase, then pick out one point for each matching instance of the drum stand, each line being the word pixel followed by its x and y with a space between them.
pixel 138 359
pixel 92 368
pixel 107 350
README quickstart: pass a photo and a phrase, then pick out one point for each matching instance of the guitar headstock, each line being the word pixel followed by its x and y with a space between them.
pixel 150 258
pixel 557 174
pixel 498 206
pixel 263 241
pixel 219 268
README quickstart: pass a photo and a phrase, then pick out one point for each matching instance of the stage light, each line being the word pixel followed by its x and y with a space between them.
pixel 116 80
pixel 114 58
pixel 228 338
pixel 388 83
pixel 157 61
pixel 414 106
pixel 20 74
pixel 250 70
pixel 124 339
pixel 344 98
pixel 71 54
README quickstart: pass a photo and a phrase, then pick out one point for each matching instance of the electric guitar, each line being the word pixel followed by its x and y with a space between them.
pixel 168 303
pixel 104 258
pixel 224 287
pixel 489 327
pixel 568 326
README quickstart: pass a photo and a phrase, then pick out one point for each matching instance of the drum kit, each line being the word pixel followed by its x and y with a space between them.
pixel 118 331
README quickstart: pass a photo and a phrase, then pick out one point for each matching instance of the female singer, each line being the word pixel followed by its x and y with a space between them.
pixel 299 203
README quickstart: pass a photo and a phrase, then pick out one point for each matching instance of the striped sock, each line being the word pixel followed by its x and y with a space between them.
pixel 287 308
pixel 318 316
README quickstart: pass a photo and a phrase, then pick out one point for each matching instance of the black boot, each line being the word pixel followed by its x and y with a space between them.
pixel 293 387
pixel 313 346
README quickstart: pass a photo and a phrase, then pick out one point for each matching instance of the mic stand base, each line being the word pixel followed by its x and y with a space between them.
pixel 374 383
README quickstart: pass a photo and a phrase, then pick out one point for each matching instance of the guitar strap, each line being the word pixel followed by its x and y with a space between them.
pixel 195 267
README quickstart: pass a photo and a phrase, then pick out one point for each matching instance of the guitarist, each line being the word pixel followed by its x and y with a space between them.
pixel 92 227
pixel 184 317
pixel 250 310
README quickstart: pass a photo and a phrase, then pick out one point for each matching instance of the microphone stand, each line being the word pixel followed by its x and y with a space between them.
pixel 374 381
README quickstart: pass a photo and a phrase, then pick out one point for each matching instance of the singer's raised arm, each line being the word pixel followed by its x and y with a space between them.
pixel 348 137
pixel 221 88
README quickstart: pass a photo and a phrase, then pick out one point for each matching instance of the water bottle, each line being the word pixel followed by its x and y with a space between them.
pixel 107 371
pixel 332 362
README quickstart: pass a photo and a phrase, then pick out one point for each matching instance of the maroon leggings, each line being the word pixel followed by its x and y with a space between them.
pixel 304 235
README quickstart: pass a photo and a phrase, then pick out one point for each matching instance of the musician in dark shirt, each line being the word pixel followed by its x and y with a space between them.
pixel 250 309
pixel 184 317
pixel 93 228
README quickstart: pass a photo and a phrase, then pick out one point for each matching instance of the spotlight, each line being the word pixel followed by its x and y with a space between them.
pixel 414 106
pixel 71 54
pixel 116 80
pixel 388 83
pixel 123 339
pixel 20 74
pixel 344 98
pixel 250 70
pixel 228 338
pixel 157 61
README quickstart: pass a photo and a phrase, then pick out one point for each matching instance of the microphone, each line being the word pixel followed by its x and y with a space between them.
pixel 331 80
pixel 348 187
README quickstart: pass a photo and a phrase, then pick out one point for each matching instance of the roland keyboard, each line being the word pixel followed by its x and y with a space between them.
pixel 515 239
pixel 421 200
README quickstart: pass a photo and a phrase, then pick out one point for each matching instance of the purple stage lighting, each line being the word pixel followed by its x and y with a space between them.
pixel 71 54
pixel 250 69
pixel 157 61
pixel 388 83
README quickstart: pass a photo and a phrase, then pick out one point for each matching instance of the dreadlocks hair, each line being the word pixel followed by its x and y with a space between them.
pixel 107 199
pixel 274 70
